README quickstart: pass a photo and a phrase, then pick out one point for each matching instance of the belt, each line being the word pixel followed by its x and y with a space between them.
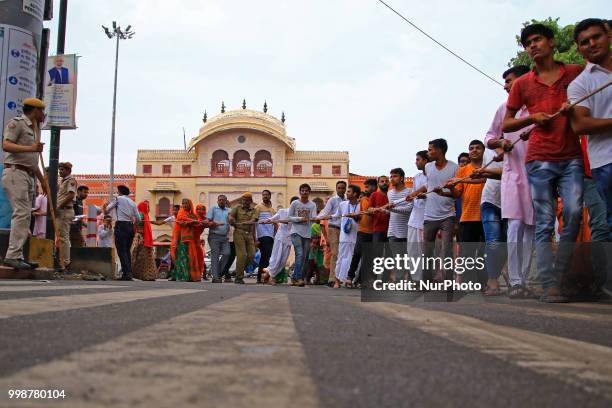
pixel 19 167
pixel 334 226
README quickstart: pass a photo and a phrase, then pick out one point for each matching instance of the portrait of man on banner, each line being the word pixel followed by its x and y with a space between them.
pixel 59 74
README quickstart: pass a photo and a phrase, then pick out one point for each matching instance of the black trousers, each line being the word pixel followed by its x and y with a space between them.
pixel 362 237
pixel 265 251
pixel 124 235
pixel 230 261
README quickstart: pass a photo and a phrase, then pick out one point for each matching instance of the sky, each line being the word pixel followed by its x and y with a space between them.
pixel 349 74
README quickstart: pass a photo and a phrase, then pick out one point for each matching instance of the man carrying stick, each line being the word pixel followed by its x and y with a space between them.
pixel 593 116
pixel 22 147
pixel 439 215
pixel 554 158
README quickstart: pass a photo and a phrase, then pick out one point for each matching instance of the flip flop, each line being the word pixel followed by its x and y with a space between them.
pixel 492 292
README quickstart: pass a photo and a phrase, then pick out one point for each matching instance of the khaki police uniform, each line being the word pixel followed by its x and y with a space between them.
pixel 18 181
pixel 65 215
pixel 243 238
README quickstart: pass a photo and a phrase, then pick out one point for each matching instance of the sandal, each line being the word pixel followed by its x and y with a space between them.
pixel 516 292
pixel 265 277
pixel 492 292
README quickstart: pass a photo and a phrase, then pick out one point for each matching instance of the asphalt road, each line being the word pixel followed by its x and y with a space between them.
pixel 168 344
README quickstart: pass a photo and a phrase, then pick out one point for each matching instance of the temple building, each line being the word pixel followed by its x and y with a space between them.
pixel 235 152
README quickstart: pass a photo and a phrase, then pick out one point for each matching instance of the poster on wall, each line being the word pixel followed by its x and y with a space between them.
pixel 60 91
pixel 18 61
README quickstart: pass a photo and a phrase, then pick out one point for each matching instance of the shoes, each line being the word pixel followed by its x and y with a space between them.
pixel 126 278
pixel 239 281
pixel 216 280
pixel 33 265
pixel 228 279
pixel 553 295
pixel 16 263
pixel 300 283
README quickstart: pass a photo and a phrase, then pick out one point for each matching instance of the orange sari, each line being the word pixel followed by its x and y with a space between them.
pixel 188 264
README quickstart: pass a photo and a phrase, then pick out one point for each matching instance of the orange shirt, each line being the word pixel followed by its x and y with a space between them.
pixel 366 223
pixel 470 195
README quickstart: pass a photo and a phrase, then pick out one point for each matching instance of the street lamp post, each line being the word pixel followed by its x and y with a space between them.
pixel 119 35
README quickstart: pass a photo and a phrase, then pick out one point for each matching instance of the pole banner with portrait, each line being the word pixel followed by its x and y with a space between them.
pixel 61 91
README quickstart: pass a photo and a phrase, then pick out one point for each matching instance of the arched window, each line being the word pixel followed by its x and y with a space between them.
pixel 220 163
pixel 242 163
pixel 263 163
pixel 163 207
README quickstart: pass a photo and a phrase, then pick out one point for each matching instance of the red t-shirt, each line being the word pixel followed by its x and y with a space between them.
pixel 585 156
pixel 381 219
pixel 557 141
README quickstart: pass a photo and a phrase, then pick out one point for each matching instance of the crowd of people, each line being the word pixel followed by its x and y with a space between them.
pixel 517 195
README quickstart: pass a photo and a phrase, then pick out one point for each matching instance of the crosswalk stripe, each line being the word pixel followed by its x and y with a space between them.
pixel 21 282
pixel 241 352
pixel 579 363
pixel 24 288
pixel 33 305
pixel 540 311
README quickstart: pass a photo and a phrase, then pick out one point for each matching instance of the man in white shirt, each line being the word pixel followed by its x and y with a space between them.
pixel 348 234
pixel 333 232
pixel 127 214
pixel 282 244
pixel 593 117
pixel 439 215
pixel 414 235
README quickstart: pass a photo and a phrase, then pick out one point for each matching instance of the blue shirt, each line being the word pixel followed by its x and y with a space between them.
pixel 218 214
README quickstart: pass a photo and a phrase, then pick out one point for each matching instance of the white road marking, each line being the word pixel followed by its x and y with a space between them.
pixel 33 305
pixel 242 352
pixel 23 288
pixel 579 363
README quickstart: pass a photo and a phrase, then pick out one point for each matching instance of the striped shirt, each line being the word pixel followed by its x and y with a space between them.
pixel 263 213
pixel 398 220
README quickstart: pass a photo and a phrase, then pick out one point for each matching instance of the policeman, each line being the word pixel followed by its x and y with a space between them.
pixel 21 145
pixel 66 194
pixel 243 218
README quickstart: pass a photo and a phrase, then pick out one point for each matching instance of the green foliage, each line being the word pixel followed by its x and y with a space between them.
pixel 566 50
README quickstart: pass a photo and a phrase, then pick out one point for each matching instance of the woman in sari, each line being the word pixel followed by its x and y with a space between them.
pixel 187 263
pixel 143 258
pixel 198 229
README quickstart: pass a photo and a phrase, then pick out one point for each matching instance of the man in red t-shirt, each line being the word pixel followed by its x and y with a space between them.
pixel 379 199
pixel 554 158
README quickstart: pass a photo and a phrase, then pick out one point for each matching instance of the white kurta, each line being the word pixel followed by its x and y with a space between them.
pixel 282 244
pixel 347 240
pixel 278 259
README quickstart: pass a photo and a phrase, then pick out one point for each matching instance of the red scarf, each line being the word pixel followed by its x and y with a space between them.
pixel 143 208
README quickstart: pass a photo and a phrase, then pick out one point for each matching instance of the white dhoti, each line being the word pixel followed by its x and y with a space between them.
pixel 520 250
pixel 343 264
pixel 280 253
pixel 415 250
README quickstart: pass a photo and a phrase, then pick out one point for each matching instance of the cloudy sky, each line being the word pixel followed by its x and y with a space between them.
pixel 349 74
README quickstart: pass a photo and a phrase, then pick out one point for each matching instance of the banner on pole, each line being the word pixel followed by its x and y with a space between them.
pixel 61 91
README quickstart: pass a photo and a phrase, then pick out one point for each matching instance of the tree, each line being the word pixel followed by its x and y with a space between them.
pixel 566 50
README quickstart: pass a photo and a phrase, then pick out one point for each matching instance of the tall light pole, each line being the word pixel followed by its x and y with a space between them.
pixel 119 35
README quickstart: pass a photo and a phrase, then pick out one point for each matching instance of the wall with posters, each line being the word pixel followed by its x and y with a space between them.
pixel 20 38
